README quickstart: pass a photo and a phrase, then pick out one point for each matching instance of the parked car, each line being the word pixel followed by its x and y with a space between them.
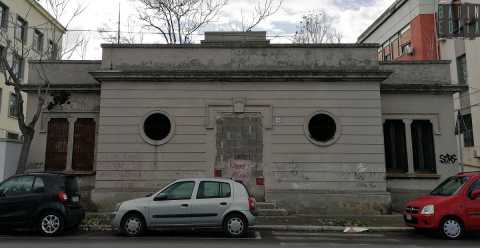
pixel 48 202
pixel 453 207
pixel 196 202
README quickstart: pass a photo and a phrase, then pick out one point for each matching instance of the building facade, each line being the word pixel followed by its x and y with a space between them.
pixel 300 125
pixel 438 30
pixel 32 33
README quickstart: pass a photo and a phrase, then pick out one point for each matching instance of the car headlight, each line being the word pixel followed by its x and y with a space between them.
pixel 428 210
pixel 117 207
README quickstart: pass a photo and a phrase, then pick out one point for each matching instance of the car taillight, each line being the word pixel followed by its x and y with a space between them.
pixel 62 197
pixel 251 204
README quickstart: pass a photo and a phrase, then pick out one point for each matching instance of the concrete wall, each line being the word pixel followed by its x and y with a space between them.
pixel 437 109
pixel 294 167
pixel 218 57
pixel 9 154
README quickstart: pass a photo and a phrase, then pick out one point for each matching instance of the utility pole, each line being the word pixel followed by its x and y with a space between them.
pixel 459 130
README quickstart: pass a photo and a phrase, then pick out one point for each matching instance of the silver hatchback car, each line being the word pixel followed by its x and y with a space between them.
pixel 198 202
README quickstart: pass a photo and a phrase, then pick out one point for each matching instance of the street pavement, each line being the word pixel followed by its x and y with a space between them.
pixel 213 239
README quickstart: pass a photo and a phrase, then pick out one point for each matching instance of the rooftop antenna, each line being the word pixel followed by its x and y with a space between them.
pixel 118 30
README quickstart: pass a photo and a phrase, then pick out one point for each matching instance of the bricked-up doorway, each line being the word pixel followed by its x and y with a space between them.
pixel 57 144
pixel 239 143
pixel 84 145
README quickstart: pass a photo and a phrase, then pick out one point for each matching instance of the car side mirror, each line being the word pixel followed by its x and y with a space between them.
pixel 149 194
pixel 161 197
pixel 475 194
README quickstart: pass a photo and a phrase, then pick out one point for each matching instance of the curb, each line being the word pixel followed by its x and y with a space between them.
pixel 298 228
pixel 327 228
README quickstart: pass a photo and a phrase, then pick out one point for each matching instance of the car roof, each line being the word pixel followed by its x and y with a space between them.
pixel 219 179
pixel 470 173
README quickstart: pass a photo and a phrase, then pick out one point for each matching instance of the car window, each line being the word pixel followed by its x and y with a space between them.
pixel 38 184
pixel 475 186
pixel 213 190
pixel 180 191
pixel 17 186
pixel 450 186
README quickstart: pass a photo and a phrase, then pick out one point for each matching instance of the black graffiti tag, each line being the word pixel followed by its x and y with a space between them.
pixel 448 159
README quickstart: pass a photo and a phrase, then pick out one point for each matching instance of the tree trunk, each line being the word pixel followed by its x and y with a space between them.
pixel 22 161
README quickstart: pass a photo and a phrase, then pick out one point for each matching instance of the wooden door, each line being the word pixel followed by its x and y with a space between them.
pixel 84 145
pixel 57 144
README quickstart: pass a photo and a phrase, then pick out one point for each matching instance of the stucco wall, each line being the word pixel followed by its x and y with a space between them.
pixel 293 165
pixel 438 109
pixel 9 153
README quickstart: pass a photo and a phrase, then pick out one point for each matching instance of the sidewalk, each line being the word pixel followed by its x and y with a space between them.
pixel 308 223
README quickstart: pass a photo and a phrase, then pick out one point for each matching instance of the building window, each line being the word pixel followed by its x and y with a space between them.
pixel 322 129
pixel 57 144
pixel 468 133
pixel 395 146
pixel 462 69
pixel 21 29
pixel 157 128
pixel 407 49
pixel 13 136
pixel 12 107
pixel 423 146
pixel 52 50
pixel 18 65
pixel 3 16
pixel 84 144
pixel 37 41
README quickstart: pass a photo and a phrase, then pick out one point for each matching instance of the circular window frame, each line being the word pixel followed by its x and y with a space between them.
pixel 157 142
pixel 333 140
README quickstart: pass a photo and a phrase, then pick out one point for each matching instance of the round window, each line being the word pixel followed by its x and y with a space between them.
pixel 322 129
pixel 157 128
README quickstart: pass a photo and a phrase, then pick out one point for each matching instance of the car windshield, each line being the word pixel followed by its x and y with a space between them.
pixel 450 186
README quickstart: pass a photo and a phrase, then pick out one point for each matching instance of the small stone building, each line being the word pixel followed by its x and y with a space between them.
pixel 315 128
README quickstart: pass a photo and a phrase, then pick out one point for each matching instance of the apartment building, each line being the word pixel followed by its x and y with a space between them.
pixel 28 32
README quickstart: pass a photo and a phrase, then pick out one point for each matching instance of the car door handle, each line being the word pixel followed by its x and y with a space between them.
pixel 223 204
pixel 184 205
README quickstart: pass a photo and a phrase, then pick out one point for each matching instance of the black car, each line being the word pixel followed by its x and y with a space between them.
pixel 48 202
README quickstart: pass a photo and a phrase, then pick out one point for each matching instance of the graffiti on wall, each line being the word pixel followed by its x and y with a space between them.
pixel 448 159
pixel 240 170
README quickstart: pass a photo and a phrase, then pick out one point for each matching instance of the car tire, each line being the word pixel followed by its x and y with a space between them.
pixel 133 225
pixel 51 223
pixel 452 228
pixel 235 226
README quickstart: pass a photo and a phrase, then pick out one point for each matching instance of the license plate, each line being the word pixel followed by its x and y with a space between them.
pixel 75 199
pixel 408 217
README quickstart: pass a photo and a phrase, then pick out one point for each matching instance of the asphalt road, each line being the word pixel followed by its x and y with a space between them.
pixel 209 239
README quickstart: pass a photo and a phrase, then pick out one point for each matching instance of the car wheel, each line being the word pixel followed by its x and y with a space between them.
pixel 452 228
pixel 133 225
pixel 235 225
pixel 51 223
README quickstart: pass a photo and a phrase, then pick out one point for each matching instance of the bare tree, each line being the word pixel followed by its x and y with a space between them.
pixel 262 10
pixel 67 11
pixel 177 20
pixel 17 50
pixel 317 27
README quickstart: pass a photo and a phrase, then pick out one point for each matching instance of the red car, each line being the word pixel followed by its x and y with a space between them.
pixel 453 207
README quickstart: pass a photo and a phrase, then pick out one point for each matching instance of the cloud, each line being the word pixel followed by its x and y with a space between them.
pixel 352 18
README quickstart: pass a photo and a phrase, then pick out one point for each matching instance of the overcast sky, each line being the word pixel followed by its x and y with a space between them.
pixel 352 17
